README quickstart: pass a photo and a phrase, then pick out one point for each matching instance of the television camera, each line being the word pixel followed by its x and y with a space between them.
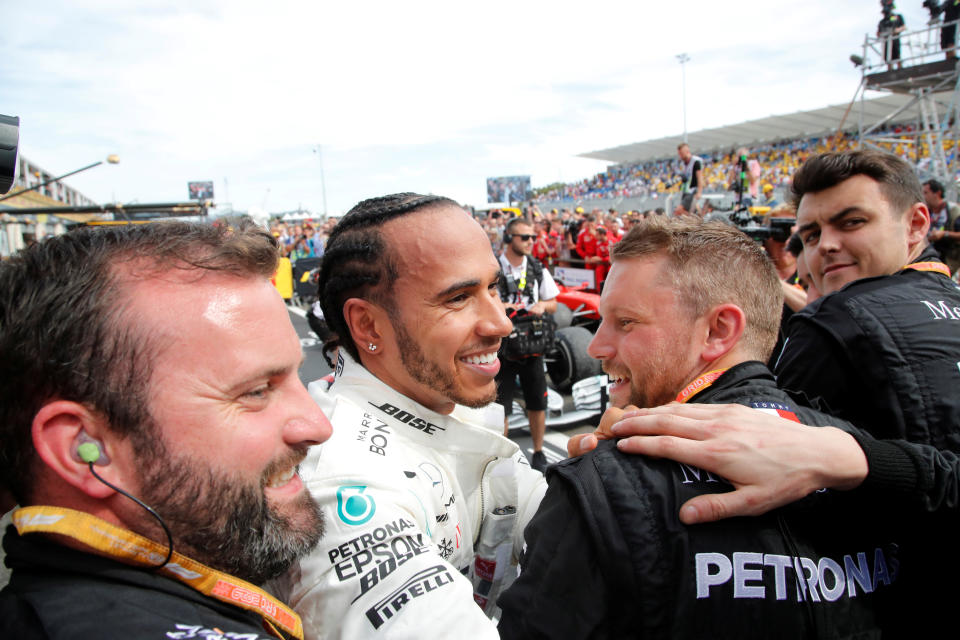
pixel 755 222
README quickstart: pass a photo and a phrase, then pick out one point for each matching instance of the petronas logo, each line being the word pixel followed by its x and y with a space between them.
pixel 353 505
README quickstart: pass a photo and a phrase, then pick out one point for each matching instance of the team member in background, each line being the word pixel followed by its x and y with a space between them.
pixel 880 352
pixel 424 499
pixel 157 360
pixel 588 241
pixel 546 247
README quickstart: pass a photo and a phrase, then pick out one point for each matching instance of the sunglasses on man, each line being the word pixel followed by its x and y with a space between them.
pixel 524 236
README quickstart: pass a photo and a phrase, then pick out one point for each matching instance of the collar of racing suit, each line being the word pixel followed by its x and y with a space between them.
pixel 470 430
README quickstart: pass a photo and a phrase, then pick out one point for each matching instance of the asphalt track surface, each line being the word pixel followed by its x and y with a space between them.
pixel 314 367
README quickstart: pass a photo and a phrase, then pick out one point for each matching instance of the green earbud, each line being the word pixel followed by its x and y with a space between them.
pixel 88 452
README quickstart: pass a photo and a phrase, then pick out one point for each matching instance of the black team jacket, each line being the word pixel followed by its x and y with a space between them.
pixel 884 354
pixel 607 556
pixel 60 593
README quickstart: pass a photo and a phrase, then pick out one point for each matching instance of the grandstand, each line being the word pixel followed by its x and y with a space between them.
pixel 645 175
pixel 918 119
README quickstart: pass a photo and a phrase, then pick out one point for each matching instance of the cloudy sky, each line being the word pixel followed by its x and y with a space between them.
pixel 403 96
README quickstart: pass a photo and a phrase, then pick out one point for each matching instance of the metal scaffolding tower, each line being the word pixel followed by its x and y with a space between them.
pixel 930 77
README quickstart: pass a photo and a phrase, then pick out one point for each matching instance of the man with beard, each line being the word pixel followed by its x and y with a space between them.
pixel 154 361
pixel 690 313
pixel 424 500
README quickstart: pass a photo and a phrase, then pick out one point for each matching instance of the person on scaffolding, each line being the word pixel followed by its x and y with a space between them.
pixel 889 29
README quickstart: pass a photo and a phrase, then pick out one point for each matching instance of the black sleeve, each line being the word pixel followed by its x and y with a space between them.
pixel 810 369
pixel 917 476
pixel 561 592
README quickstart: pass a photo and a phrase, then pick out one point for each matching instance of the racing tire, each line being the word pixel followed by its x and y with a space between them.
pixel 569 362
pixel 563 316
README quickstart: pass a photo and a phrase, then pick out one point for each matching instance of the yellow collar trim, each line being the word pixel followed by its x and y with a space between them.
pixel 135 549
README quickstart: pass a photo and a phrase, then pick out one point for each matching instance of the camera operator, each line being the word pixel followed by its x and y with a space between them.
pixel 889 28
pixel 948 33
pixel 525 287
pixel 744 178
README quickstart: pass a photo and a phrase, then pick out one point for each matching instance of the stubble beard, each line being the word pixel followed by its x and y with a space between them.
pixel 668 372
pixel 432 375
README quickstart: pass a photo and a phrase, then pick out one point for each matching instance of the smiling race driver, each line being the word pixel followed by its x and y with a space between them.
pixel 421 493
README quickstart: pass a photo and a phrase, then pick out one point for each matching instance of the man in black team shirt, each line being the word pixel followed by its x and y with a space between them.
pixel 690 313
pixel 882 351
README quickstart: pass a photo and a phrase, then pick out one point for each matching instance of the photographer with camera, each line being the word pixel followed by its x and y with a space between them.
pixel 528 293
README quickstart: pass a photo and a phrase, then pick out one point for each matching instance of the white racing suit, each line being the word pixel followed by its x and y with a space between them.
pixel 424 516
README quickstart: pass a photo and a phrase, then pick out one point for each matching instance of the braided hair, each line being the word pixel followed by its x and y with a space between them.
pixel 357 262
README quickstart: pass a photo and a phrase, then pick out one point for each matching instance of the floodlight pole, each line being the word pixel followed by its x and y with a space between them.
pixel 683 59
pixel 112 159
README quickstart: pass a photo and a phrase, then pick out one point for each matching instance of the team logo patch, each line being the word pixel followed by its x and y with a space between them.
pixel 353 505
pixel 185 631
pixel 776 409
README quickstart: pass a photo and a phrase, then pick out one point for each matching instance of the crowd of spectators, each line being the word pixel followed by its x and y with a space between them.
pixel 559 241
pixel 568 237
pixel 302 240
pixel 778 160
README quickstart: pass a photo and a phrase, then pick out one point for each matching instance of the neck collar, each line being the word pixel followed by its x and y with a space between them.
pixel 931 265
pixel 355 381
pixel 133 549
pixel 698 385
